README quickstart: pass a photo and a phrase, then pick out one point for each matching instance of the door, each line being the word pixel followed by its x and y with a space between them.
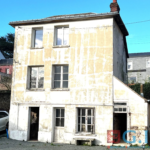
pixel 3 120
pixel 59 124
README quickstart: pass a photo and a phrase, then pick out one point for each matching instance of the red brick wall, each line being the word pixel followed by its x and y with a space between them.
pixel 3 69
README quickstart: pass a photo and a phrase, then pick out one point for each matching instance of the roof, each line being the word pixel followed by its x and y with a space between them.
pixel 75 17
pixel 4 62
pixel 146 54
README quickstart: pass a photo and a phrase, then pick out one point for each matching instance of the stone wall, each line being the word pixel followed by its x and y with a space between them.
pixel 5 100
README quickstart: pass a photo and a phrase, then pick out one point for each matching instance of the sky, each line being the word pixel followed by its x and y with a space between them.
pixel 131 11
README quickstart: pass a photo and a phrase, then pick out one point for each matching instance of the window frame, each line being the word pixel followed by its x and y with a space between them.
pixel 61 79
pixel 55 35
pixel 60 117
pixel 147 66
pixel 86 122
pixel 29 78
pixel 33 37
pixel 117 106
pixel 131 65
pixel 131 77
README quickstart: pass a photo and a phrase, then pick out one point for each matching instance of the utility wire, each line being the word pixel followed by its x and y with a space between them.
pixel 137 22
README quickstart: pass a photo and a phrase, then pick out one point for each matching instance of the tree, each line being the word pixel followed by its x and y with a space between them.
pixel 7 45
pixel 6 81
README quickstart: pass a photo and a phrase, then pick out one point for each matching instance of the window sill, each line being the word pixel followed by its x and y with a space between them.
pixel 60 89
pixel 61 46
pixel 36 47
pixel 32 90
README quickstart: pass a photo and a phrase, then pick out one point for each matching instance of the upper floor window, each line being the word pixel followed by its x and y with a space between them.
pixel 61 36
pixel 36 77
pixel 7 71
pixel 37 38
pixel 130 65
pixel 148 63
pixel 60 79
pixel 132 79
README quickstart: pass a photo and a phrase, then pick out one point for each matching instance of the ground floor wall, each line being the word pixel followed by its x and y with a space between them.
pixel 19 128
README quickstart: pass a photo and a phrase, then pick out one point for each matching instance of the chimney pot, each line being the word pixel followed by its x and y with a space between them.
pixel 114 6
pixel 114 1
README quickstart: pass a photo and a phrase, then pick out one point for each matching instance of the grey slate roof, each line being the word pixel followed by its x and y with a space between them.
pixel 4 62
pixel 145 54
pixel 75 17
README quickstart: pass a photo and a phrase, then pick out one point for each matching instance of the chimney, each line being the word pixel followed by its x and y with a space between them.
pixel 114 6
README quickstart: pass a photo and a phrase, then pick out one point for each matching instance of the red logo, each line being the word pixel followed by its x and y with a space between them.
pixel 113 136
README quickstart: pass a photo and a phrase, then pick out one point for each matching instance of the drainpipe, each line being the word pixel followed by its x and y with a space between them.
pixel 141 90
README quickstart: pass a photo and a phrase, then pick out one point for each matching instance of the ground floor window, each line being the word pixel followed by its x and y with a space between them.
pixel 86 120
pixel 60 117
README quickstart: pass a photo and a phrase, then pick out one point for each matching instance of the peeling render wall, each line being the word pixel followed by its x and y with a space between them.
pixel 119 55
pixel 90 61
pixel 137 109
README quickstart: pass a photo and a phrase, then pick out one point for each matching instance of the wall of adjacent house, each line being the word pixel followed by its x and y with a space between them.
pixel 138 64
pixel 119 54
pixel 137 110
pixel 3 69
pixel 90 60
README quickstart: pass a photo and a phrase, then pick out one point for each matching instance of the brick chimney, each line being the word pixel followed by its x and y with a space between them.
pixel 114 6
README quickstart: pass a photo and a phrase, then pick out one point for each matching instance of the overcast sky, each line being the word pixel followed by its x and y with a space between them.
pixel 131 11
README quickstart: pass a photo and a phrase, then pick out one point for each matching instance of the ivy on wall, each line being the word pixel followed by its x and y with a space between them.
pixel 146 89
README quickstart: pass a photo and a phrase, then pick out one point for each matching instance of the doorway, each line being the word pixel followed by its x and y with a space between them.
pixel 34 123
pixel 120 123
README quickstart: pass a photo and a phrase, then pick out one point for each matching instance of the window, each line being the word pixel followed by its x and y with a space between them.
pixel 148 63
pixel 132 79
pixel 85 120
pixel 7 71
pixel 60 117
pixel 36 77
pixel 60 77
pixel 37 38
pixel 130 66
pixel 62 36
pixel 120 107
pixel 3 114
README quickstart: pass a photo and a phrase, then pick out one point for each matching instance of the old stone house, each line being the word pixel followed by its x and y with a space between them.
pixel 69 76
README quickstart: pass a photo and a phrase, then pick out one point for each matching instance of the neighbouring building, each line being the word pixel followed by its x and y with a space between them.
pixel 139 67
pixel 69 80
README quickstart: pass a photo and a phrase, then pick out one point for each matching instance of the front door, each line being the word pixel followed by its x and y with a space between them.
pixel 59 125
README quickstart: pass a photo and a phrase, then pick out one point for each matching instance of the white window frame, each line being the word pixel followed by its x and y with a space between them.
pixel 29 78
pixel 130 64
pixel 131 77
pixel 120 107
pixel 7 70
pixel 147 66
pixel 55 35
pixel 60 117
pixel 33 37
pixel 61 78
pixel 86 122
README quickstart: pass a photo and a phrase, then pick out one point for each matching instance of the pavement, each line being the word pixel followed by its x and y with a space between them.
pixel 8 144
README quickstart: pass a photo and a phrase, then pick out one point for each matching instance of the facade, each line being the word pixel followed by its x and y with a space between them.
pixel 69 76
pixel 139 67
pixel 6 66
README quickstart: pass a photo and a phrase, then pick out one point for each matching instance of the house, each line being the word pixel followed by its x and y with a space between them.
pixel 139 67
pixel 69 80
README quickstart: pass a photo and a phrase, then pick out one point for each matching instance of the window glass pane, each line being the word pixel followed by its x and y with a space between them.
pixel 120 109
pixel 33 77
pixel 78 112
pixel 57 121
pixel 89 112
pixel 62 113
pixel 41 77
pixel 65 84
pixel 38 38
pixel 89 128
pixel 83 112
pixel 57 112
pixel 62 122
pixel 83 119
pixel 78 127
pixel 89 120
pixel 65 69
pixel 57 69
pixel 2 115
pixel 59 36
pixel 66 36
pixel 78 119
pixel 56 84
pixel 115 109
pixel 83 128
pixel 124 109
pixel 57 77
pixel 65 76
